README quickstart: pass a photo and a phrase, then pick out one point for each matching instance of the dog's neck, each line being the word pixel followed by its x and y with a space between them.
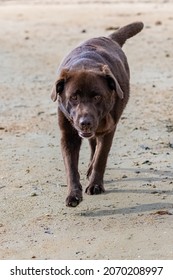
pixel 64 111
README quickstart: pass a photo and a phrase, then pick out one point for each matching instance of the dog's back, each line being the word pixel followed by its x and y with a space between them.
pixel 104 51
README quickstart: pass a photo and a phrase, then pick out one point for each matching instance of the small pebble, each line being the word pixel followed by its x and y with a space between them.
pixel 112 28
pixel 34 194
pixel 158 22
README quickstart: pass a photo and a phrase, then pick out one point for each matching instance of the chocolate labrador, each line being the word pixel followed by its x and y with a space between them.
pixel 92 89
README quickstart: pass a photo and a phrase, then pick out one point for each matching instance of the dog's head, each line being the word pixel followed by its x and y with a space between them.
pixel 86 97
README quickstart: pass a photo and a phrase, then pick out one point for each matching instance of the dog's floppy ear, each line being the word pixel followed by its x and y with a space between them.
pixel 57 89
pixel 59 85
pixel 112 81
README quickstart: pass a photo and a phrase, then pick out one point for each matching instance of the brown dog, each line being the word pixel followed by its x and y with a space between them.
pixel 92 89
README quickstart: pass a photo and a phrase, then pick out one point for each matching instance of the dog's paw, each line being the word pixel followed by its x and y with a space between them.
pixel 73 200
pixel 95 189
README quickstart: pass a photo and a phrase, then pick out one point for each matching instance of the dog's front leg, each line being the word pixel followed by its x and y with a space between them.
pixel 70 146
pixel 98 165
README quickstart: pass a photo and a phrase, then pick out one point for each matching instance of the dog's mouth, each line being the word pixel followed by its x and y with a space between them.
pixel 86 134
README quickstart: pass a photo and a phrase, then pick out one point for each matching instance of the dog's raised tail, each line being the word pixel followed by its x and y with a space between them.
pixel 126 32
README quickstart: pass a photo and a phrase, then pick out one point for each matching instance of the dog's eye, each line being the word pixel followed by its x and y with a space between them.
pixel 97 98
pixel 74 98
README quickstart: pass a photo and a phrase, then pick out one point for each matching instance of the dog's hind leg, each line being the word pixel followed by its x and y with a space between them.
pixel 93 144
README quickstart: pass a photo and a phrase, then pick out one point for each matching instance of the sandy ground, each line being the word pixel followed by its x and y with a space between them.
pixel 134 218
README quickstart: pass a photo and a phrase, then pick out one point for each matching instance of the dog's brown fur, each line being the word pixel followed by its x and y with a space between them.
pixel 92 89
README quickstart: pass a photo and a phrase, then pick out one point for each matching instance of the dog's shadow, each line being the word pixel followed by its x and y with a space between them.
pixel 156 176
pixel 139 209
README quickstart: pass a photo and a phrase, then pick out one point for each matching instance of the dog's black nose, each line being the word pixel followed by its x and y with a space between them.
pixel 85 122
